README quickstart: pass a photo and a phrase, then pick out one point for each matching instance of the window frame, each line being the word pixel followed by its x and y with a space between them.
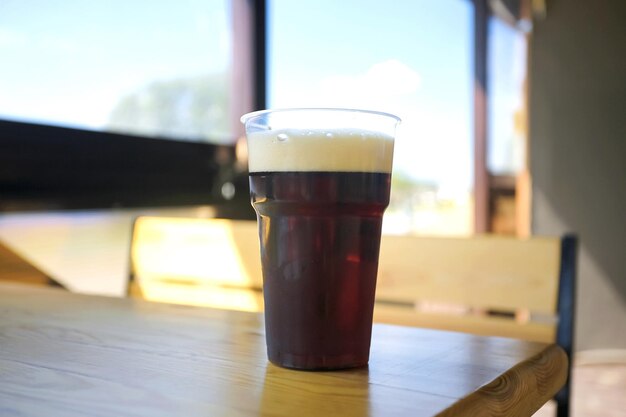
pixel 481 176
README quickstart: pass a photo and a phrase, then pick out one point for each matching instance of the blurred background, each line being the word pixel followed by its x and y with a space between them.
pixel 172 74
pixel 513 121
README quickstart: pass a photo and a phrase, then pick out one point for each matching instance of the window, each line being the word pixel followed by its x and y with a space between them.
pixel 508 196
pixel 506 87
pixel 87 90
pixel 158 69
pixel 117 73
pixel 411 58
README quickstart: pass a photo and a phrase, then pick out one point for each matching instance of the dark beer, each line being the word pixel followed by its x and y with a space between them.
pixel 319 182
pixel 320 238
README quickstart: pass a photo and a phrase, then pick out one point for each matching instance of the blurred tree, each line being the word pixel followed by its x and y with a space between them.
pixel 195 108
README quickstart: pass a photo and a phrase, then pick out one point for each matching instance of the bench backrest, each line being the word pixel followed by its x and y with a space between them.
pixel 206 251
pixel 479 272
pixel 494 285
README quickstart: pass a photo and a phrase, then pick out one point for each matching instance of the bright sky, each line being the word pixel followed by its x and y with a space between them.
pixel 71 61
pixel 412 58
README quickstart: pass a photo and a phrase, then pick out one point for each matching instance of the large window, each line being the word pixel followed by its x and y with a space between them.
pixel 151 68
pixel 121 72
pixel 412 58
pixel 88 89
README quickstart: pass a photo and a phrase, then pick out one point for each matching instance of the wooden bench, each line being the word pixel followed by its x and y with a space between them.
pixel 204 262
pixel 486 285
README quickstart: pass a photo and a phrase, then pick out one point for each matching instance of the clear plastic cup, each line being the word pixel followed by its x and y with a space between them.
pixel 320 181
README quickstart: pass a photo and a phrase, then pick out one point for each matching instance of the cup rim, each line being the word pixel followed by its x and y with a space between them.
pixel 248 116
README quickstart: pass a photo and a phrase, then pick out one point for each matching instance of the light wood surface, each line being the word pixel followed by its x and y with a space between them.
pixel 64 354
pixel 202 251
pixel 482 271
pixel 440 283
pixel 85 251
pixel 483 325
pixel 453 284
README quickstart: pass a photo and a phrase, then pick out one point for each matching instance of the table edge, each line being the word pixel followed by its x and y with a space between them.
pixel 520 391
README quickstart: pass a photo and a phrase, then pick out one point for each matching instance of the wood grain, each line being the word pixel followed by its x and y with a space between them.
pixel 519 391
pixel 482 271
pixel 477 274
pixel 64 354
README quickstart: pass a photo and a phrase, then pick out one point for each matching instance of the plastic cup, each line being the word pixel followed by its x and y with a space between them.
pixel 320 181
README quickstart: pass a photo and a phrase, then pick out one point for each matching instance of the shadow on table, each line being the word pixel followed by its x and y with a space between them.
pixel 306 393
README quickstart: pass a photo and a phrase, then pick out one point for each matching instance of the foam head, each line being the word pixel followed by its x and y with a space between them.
pixel 340 150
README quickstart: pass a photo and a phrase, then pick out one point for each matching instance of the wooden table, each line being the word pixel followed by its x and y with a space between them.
pixel 63 354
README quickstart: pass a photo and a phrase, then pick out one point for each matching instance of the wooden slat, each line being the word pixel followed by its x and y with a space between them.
pixel 483 325
pixel 482 272
pixel 490 272
pixel 201 295
pixel 245 234
pixel 208 251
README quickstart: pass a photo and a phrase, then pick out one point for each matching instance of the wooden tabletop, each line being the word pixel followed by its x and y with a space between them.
pixel 63 354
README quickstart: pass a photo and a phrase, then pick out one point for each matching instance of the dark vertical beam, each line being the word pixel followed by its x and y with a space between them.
pixel 567 314
pixel 260 54
pixel 242 64
pixel 248 83
pixel 481 177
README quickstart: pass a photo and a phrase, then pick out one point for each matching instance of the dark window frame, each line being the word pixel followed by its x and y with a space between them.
pixel 482 212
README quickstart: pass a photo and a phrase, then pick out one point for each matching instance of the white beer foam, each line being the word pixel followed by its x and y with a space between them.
pixel 341 150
